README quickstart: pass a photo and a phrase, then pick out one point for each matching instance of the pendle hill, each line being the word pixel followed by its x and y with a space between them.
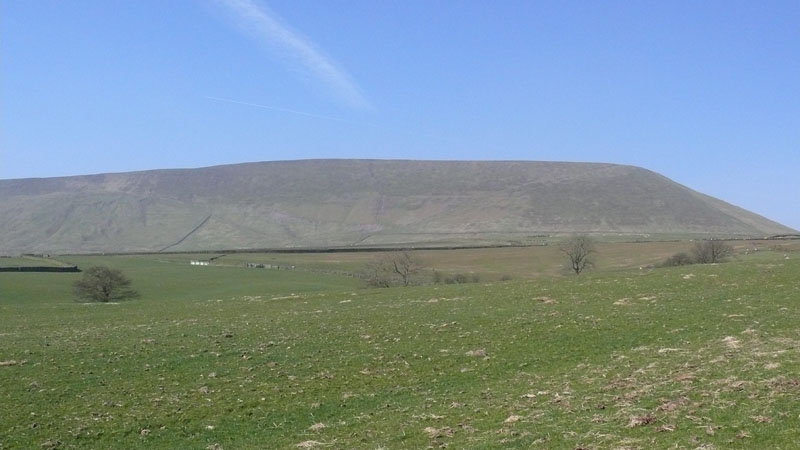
pixel 354 203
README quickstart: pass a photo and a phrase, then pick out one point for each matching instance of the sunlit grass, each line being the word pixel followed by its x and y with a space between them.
pixel 686 357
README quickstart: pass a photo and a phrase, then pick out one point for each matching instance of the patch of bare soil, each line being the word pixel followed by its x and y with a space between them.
pixel 11 362
pixel 478 353
pixel 639 421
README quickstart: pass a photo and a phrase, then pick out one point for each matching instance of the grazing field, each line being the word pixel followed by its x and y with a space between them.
pixel 491 264
pixel 227 357
pixel 29 261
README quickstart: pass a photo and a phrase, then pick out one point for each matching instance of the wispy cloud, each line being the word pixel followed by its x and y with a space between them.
pixel 267 28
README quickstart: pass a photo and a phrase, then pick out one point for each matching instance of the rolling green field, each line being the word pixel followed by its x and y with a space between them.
pixel 29 261
pixel 227 357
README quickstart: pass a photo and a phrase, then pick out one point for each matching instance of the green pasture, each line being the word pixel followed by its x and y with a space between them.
pixel 491 264
pixel 228 357
pixel 29 261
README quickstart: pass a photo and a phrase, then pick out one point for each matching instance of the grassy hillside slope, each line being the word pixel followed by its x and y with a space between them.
pixel 352 202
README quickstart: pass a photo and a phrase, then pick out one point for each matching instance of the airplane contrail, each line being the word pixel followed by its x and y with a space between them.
pixel 267 28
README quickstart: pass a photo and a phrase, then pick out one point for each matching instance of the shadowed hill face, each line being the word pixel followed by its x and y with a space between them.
pixel 352 202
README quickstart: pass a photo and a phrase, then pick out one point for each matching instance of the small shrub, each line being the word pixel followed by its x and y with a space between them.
pixel 437 277
pixel 711 251
pixel 678 259
pixel 459 278
pixel 456 278
pixel 462 278
pixel 378 281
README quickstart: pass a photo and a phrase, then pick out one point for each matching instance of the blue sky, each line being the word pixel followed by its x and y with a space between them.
pixel 706 93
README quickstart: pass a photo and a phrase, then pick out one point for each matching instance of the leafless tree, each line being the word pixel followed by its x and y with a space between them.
pixel 711 251
pixel 579 249
pixel 393 268
pixel 405 265
pixel 377 274
pixel 104 284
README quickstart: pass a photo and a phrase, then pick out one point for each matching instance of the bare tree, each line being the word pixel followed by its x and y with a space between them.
pixel 393 267
pixel 711 251
pixel 579 250
pixel 377 274
pixel 405 266
pixel 104 284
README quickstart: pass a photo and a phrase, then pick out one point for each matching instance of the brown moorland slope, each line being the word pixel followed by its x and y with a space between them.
pixel 315 203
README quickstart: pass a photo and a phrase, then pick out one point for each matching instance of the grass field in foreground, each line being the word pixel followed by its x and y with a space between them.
pixel 691 357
